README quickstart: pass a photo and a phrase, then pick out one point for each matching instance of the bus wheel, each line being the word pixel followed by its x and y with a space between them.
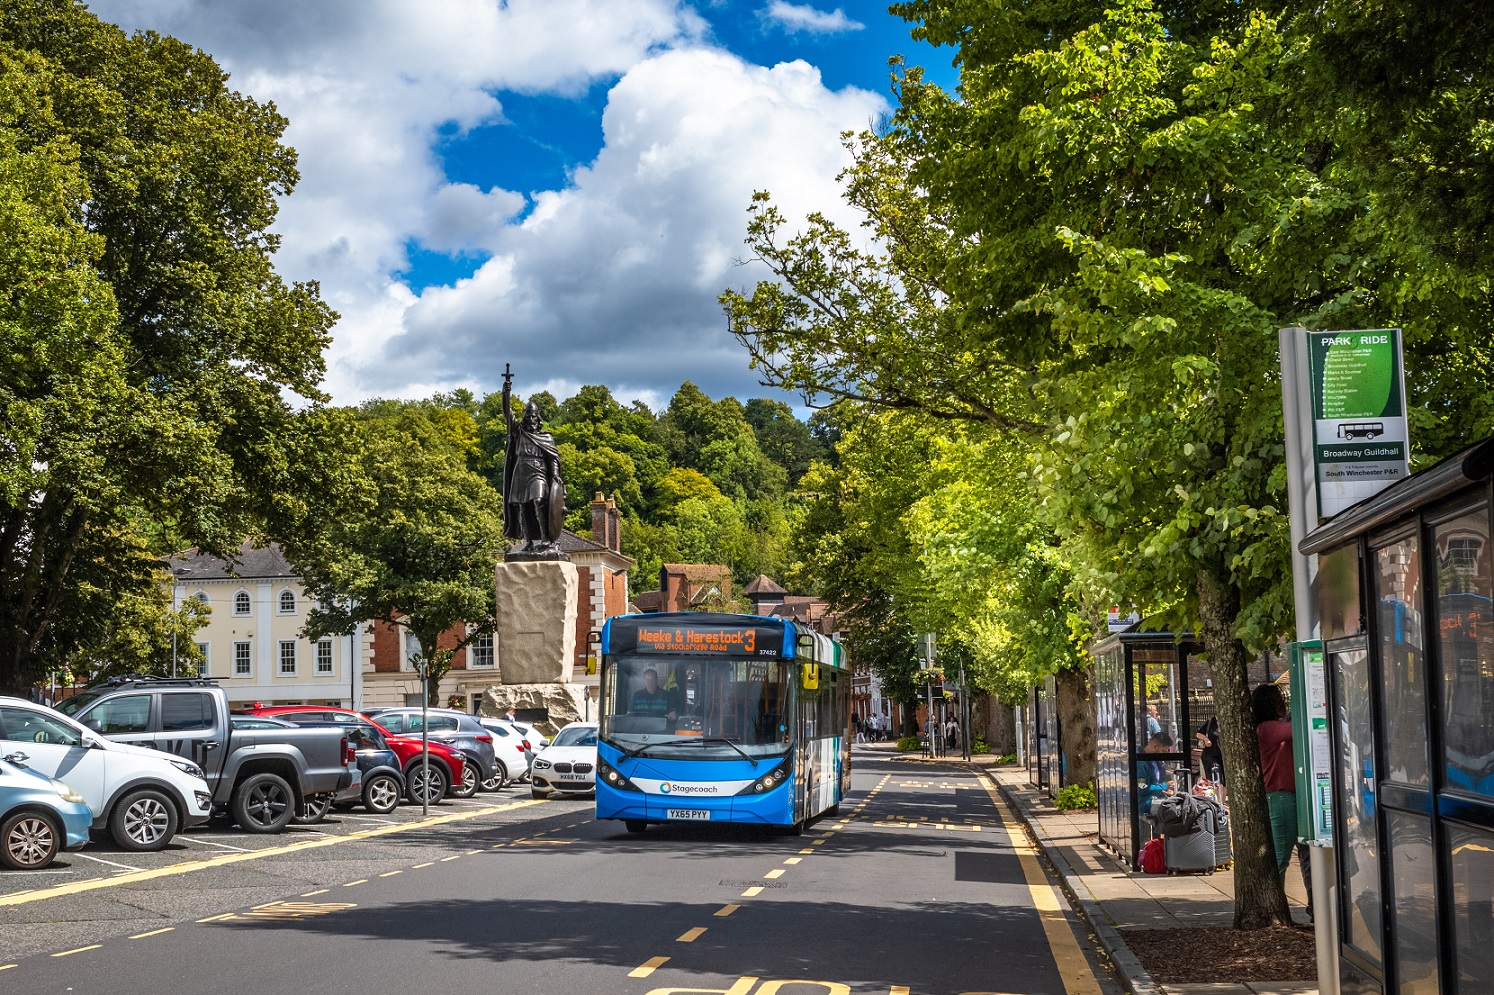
pixel 797 829
pixel 833 811
pixel 635 825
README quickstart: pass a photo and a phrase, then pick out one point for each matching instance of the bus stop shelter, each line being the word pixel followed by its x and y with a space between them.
pixel 1152 690
pixel 1404 586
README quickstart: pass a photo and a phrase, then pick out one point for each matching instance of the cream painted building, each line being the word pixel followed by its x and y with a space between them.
pixel 252 643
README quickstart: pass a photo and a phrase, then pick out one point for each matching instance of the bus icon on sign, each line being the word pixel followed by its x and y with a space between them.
pixel 1360 429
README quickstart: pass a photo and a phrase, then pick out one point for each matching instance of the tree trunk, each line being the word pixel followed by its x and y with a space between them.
pixel 1076 713
pixel 1260 900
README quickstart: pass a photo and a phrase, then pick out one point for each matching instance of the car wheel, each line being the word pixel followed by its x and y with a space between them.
pixel 29 840
pixel 313 810
pixel 635 825
pixel 417 785
pixel 499 780
pixel 381 794
pixel 471 780
pixel 143 820
pixel 263 803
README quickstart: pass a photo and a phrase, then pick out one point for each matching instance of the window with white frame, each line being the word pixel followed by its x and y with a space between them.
pixel 482 651
pixel 242 605
pixel 202 596
pixel 287 658
pixel 412 650
pixel 287 602
pixel 243 666
pixel 204 666
pixel 324 656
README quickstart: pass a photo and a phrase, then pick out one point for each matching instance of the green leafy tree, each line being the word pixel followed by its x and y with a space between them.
pixel 150 349
pixel 412 539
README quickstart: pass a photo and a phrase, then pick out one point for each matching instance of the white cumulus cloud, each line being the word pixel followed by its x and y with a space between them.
pixel 793 17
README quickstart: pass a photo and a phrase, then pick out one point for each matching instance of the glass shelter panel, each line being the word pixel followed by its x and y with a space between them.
pixel 1414 907
pixel 1359 851
pixel 1469 854
pixel 1338 592
pixel 1399 607
pixel 1465 627
pixel 1158 721
pixel 1114 776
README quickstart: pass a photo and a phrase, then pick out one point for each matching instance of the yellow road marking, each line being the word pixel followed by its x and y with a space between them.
pixel 319 891
pixel 69 953
pixel 817 843
pixel 219 860
pixel 774 873
pixel 297 910
pixel 726 910
pixel 898 990
pixel 224 915
pixel 154 932
pixel 806 850
pixel 390 874
pixel 457 856
pixel 793 860
pixel 647 967
pixel 497 845
pixel 752 892
pixel 471 852
pixel 691 935
pixel 7 967
pixel 268 904
pixel 1067 956
pixel 359 881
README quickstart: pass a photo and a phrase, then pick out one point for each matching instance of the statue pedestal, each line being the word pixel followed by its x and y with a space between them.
pixel 536 612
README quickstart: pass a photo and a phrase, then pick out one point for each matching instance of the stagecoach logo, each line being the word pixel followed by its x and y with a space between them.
pixel 666 788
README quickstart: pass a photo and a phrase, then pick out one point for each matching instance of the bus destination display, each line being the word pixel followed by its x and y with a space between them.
pixel 743 641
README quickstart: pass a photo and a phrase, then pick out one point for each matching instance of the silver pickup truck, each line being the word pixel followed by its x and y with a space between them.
pixel 261 778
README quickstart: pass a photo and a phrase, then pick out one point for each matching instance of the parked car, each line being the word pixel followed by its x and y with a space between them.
pixel 446 763
pixel 457 730
pixel 513 751
pixel 39 816
pixel 382 783
pixel 537 740
pixel 141 796
pixel 261 778
pixel 569 764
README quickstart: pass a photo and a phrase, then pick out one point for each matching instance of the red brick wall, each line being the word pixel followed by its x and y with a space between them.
pixel 388 647
pixel 616 594
pixel 585 623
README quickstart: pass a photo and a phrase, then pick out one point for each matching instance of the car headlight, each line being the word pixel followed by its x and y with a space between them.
pixel 188 767
pixel 542 765
pixel 69 794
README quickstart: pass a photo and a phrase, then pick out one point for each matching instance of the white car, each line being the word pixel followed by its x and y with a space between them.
pixel 142 796
pixel 568 765
pixel 508 746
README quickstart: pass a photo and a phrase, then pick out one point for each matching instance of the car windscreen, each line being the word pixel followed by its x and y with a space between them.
pixel 78 702
pixel 575 736
pixel 697 707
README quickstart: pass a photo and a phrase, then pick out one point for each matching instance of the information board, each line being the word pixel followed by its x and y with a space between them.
pixel 687 637
pixel 1311 746
pixel 1359 415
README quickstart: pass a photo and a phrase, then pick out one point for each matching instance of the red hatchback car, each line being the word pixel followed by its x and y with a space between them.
pixel 446 763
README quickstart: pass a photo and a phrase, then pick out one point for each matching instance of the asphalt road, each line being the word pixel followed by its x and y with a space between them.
pixel 923 884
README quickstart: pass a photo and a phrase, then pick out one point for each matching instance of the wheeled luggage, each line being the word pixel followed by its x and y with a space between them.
pixel 1224 855
pixel 1194 852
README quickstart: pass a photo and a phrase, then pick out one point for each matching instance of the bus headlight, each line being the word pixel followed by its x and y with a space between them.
pixel 613 777
pixel 770 780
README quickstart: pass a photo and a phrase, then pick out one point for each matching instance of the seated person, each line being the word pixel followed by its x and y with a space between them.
pixel 652 698
pixel 1154 774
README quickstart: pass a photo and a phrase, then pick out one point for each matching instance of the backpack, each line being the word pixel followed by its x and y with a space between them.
pixel 1154 857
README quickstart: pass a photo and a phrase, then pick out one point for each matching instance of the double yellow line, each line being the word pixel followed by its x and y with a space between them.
pixel 189 866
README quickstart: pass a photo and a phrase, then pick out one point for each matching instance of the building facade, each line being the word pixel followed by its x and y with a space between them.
pixel 252 642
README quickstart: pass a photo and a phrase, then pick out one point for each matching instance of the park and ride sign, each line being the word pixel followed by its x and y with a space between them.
pixel 1359 415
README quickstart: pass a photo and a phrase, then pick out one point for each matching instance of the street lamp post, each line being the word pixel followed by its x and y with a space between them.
pixel 423 668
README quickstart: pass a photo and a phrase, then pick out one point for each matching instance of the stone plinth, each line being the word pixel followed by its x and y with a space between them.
pixel 536 638
pixel 564 703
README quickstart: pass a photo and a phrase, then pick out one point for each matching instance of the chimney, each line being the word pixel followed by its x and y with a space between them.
pixel 599 520
pixel 614 527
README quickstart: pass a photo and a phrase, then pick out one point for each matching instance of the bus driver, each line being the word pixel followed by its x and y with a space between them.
pixel 651 699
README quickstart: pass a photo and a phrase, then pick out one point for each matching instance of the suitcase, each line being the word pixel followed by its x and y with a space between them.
pixel 1224 856
pixel 1191 853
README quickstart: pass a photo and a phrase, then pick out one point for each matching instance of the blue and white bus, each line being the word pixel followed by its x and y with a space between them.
pixel 710 717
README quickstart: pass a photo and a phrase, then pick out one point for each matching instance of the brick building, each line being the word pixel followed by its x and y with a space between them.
pixel 687 587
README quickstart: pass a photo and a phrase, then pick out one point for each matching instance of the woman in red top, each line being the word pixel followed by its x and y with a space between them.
pixel 1273 735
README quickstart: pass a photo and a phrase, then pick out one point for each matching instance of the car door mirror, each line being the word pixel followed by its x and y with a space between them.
pixel 92 742
pixel 93 724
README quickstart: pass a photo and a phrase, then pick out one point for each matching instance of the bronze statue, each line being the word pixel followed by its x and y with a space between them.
pixel 533 491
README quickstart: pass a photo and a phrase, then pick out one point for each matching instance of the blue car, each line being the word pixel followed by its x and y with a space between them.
pixel 38 817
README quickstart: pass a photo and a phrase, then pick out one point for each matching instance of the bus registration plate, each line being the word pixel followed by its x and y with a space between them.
pixel 691 814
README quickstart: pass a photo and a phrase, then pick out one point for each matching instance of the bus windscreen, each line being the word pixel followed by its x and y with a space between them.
pixel 697 708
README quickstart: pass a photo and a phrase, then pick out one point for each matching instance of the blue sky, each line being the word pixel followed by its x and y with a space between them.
pixel 560 184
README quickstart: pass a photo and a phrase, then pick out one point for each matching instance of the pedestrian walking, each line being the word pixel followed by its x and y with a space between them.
pixel 1273 736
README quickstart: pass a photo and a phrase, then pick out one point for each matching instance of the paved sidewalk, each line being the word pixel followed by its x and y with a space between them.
pixel 1112 897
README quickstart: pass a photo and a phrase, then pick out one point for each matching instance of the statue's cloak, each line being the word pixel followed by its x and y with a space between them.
pixel 552 514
